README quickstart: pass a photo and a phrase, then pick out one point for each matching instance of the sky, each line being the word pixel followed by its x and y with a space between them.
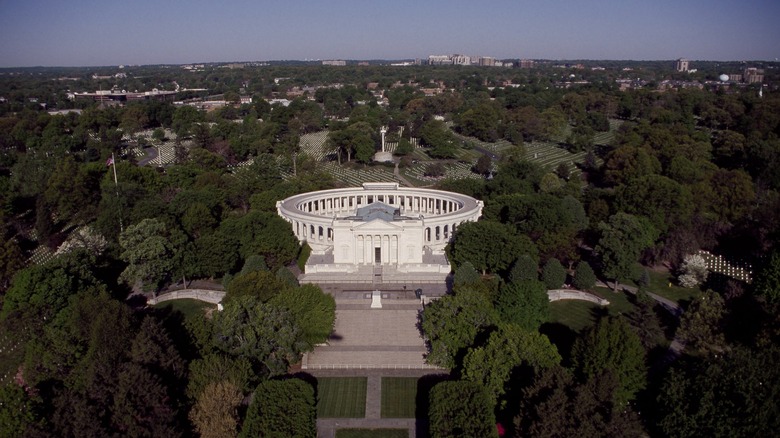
pixel 109 32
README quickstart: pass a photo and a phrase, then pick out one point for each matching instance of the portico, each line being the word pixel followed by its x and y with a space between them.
pixel 402 230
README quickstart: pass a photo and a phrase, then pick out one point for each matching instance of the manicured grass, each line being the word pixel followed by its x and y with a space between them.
pixel 663 284
pixel 372 433
pixel 398 397
pixel 341 397
pixel 574 314
pixel 578 315
pixel 189 308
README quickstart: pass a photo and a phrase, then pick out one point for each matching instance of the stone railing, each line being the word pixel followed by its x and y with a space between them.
pixel 573 294
pixel 209 296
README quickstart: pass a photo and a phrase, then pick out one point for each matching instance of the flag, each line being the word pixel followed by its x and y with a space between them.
pixel 110 161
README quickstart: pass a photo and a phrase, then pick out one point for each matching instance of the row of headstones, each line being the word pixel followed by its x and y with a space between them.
pixel 719 264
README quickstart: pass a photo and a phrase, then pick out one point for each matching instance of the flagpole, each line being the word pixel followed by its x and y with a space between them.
pixel 113 162
pixel 116 187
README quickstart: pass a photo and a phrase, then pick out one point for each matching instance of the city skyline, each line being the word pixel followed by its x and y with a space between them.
pixel 89 33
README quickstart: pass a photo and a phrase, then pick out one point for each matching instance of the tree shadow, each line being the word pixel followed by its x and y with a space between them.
pixel 422 401
pixel 562 337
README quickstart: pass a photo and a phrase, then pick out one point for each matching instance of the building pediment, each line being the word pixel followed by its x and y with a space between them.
pixel 378 225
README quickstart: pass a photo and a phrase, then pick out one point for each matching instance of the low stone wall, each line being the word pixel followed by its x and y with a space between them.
pixel 573 294
pixel 209 296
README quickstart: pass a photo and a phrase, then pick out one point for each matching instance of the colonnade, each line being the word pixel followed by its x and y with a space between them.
pixel 327 206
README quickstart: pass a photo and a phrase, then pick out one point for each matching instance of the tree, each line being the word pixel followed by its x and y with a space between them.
pixel 484 164
pixel 524 303
pixel 622 240
pixel 701 326
pixel 469 245
pixel 149 254
pixel 281 408
pixel 553 274
pixel 524 268
pixel 466 275
pixel 509 347
pixel 17 411
pixel 452 323
pixel 645 322
pixel 460 409
pixel 731 394
pixel 313 311
pixel 612 346
pixel 556 405
pixel 694 271
pixel 767 282
pixel 215 414
pixel 584 277
pixel 263 333
pixel 262 285
pixel 216 367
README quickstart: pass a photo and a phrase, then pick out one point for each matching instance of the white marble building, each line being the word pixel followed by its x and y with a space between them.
pixel 379 232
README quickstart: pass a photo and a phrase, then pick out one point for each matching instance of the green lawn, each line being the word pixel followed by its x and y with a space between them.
pixel 372 433
pixel 578 315
pixel 574 314
pixel 663 284
pixel 341 397
pixel 398 397
pixel 187 307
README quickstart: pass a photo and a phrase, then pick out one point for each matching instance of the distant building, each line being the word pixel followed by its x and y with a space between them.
pixel 124 96
pixel 335 62
pixel 461 60
pixel 682 65
pixel 439 60
pixel 753 75
pixel 526 63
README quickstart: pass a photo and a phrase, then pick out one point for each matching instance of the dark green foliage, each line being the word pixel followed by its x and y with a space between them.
pixel 262 285
pixel 622 241
pixel 584 277
pixel 17 411
pixel 41 291
pixel 281 408
pixel 701 326
pixel 502 246
pixel 285 275
pixel 524 303
pixel 452 323
pixel 523 269
pixel 767 282
pixel 466 275
pixel 553 274
pixel 218 367
pixel 461 409
pixel 508 348
pixel 612 346
pixel 556 405
pixel 254 263
pixel 724 395
pixel 313 311
pixel 263 333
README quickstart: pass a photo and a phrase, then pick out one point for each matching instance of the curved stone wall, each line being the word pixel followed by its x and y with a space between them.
pixel 426 219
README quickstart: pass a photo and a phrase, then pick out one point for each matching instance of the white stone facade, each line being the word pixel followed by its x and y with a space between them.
pixel 378 225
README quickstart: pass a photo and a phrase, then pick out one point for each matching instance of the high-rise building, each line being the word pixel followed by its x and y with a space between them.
pixel 682 65
pixel 526 63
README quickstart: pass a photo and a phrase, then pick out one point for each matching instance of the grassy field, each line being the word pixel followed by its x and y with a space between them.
pixel 372 433
pixel 663 283
pixel 398 397
pixel 187 307
pixel 341 397
pixel 577 315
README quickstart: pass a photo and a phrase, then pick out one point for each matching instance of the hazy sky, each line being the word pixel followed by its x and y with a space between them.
pixel 109 32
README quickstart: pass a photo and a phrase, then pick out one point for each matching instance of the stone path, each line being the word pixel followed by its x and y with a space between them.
pixel 374 343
